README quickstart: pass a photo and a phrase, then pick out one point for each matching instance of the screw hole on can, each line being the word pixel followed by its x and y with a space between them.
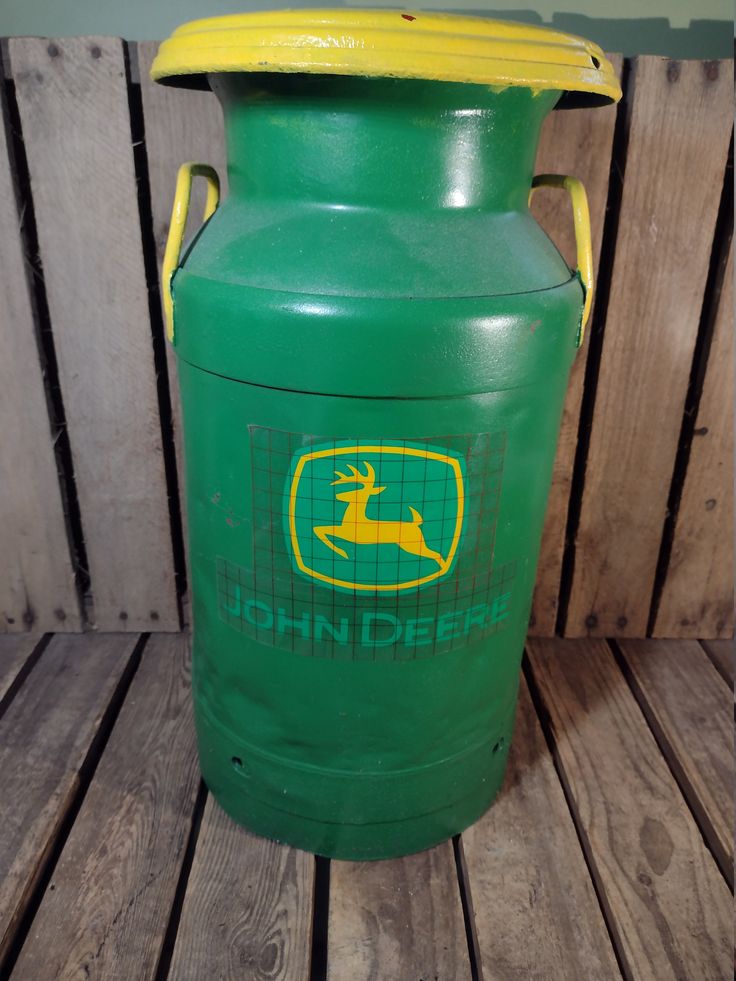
pixel 596 62
pixel 237 762
pixel 499 745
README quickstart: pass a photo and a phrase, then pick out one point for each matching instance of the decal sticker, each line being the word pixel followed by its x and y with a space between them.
pixel 370 549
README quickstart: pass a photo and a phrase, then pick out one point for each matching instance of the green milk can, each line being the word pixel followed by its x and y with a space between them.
pixel 374 338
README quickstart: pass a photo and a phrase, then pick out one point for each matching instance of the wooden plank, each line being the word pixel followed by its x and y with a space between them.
pixel 73 101
pixel 179 126
pixel 668 907
pixel 37 587
pixel 14 653
pixel 397 919
pixel 108 903
pixel 680 122
pixel 721 653
pixel 45 737
pixel 248 907
pixel 536 912
pixel 578 142
pixel 697 595
pixel 689 709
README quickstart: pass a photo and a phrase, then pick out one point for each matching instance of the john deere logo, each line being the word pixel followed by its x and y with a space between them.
pixel 375 516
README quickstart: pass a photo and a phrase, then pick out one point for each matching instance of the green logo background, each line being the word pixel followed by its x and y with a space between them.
pixel 428 485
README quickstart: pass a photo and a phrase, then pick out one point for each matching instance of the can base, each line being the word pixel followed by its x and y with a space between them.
pixel 357 843
pixel 247 800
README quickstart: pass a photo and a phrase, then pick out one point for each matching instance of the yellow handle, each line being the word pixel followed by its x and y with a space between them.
pixel 583 240
pixel 179 212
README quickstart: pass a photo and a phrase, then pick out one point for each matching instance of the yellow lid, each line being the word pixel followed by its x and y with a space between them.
pixel 388 43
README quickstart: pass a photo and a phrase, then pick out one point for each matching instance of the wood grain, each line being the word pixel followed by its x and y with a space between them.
pixel 697 595
pixel 248 907
pixel 36 575
pixel 689 709
pixel 669 908
pixel 45 736
pixel 536 912
pixel 680 123
pixel 179 126
pixel 14 652
pixel 577 142
pixel 397 919
pixel 108 903
pixel 73 102
pixel 721 653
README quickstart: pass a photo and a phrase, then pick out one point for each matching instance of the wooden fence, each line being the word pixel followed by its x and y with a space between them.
pixel 638 537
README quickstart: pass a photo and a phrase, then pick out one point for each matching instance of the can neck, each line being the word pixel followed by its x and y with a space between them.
pixel 346 142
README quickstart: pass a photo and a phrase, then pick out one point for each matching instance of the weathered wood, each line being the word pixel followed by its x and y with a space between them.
pixel 536 912
pixel 179 126
pixel 577 143
pixel 108 903
pixel 679 126
pixel 73 103
pixel 668 907
pixel 14 652
pixel 37 588
pixel 397 919
pixel 689 709
pixel 721 653
pixel 45 736
pixel 248 907
pixel 697 595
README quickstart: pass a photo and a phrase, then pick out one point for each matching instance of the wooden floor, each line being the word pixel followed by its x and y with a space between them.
pixel 608 853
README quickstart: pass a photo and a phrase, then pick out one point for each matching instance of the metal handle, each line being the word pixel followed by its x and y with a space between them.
pixel 583 240
pixel 179 213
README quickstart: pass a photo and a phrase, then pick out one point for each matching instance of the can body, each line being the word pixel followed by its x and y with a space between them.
pixel 374 348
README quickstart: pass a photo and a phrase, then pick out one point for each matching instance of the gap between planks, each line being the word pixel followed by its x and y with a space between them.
pixel 686 704
pixel 107 905
pixel 76 688
pixel 667 905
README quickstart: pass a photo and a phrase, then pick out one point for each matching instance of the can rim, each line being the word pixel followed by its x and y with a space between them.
pixel 388 44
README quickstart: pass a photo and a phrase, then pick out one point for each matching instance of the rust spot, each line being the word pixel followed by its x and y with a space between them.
pixel 711 69
pixel 123 615
pixel 534 324
pixel 10 619
pixel 408 17
pixel 229 521
pixel 684 622
pixel 60 614
pixel 703 431
pixel 673 71
pixel 622 622
pixel 95 51
pixel 591 621
pixel 710 504
pixel 153 615
pixel 29 616
pixel 646 880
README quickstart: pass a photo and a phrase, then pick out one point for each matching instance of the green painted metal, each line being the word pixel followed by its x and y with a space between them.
pixel 374 340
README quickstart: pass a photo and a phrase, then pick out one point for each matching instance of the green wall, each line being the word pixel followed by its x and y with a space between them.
pixel 665 27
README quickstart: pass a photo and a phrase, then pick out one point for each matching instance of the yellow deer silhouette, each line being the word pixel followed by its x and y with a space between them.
pixel 357 527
